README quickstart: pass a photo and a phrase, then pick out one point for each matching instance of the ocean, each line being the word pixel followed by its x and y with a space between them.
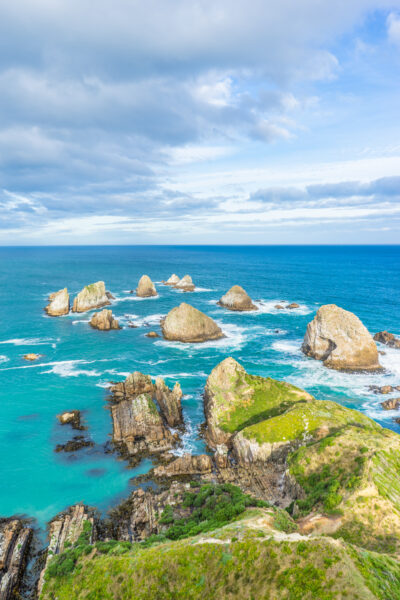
pixel 77 362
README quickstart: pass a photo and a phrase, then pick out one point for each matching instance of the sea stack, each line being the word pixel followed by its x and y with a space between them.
pixel 145 288
pixel 338 338
pixel 184 323
pixel 58 303
pixel 237 299
pixel 173 280
pixel 92 296
pixel 186 284
pixel 104 321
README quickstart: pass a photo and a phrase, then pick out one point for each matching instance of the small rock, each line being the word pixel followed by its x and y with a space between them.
pixel 385 389
pixel 237 299
pixel 293 305
pixel 104 321
pixel 384 337
pixel 71 417
pixel 132 325
pixel 186 284
pixel 279 307
pixel 31 356
pixel 145 288
pixel 173 280
pixel 152 334
pixel 75 444
pixel 391 404
pixel 110 296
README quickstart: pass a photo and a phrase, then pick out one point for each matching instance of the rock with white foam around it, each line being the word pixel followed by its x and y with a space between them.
pixel 185 284
pixel 184 323
pixel 146 287
pixel 237 299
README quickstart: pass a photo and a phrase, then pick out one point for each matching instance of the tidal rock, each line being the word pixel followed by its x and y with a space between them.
pixel 338 338
pixel 31 356
pixel 152 334
pixel 185 465
pixel 71 417
pixel 384 337
pixel 104 321
pixel 65 529
pixel 169 402
pixel 77 443
pixel 186 284
pixel 173 280
pixel 58 303
pixel 385 389
pixel 184 323
pixel 237 299
pixel 279 307
pixel 15 539
pixel 293 305
pixel 145 288
pixel 391 404
pixel 92 296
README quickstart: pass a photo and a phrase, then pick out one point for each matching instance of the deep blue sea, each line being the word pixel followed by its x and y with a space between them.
pixel 78 362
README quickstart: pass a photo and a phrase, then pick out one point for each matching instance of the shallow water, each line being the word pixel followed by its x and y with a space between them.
pixel 77 362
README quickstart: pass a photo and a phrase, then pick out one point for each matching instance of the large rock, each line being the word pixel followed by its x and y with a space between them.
pixel 338 338
pixel 104 321
pixel 58 303
pixel 92 296
pixel 145 288
pixel 169 402
pixel 237 299
pixel 186 284
pixel 184 323
pixel 173 280
pixel 15 539
pixel 384 337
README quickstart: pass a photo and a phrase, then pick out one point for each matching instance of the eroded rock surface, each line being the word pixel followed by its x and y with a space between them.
pixel 146 287
pixel 92 296
pixel 58 303
pixel 184 323
pixel 237 299
pixel 15 539
pixel 338 338
pixel 104 321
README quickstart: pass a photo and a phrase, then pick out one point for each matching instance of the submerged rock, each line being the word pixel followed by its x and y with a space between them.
pixel 31 356
pixel 145 288
pixel 237 299
pixel 184 323
pixel 338 338
pixel 15 540
pixel 384 337
pixel 92 296
pixel 186 284
pixel 104 321
pixel 185 465
pixel 169 402
pixel 77 443
pixel 71 417
pixel 173 280
pixel 58 303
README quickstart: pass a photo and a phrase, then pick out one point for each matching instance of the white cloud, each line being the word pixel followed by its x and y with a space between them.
pixel 393 25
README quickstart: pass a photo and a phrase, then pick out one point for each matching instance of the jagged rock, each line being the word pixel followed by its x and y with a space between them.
pixel 71 417
pixel 338 338
pixel 15 539
pixel 173 280
pixel 391 404
pixel 135 384
pixel 58 303
pixel 186 284
pixel 152 334
pixel 104 321
pixel 184 323
pixel 110 296
pixel 145 287
pixel 384 337
pixel 67 527
pixel 187 464
pixel 169 402
pixel 92 296
pixel 77 443
pixel 237 299
pixel 31 356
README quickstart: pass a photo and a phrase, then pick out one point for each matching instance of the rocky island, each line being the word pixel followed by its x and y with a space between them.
pixel 58 303
pixel 184 323
pixel 92 296
pixel 146 287
pixel 237 299
pixel 104 321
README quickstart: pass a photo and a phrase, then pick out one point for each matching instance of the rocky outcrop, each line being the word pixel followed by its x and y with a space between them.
pixel 58 303
pixel 152 334
pixel 173 280
pixel 184 323
pixel 186 284
pixel 77 443
pixel 384 337
pixel 65 529
pixel 185 465
pixel 104 321
pixel 92 296
pixel 31 356
pixel 237 299
pixel 15 539
pixel 338 338
pixel 169 402
pixel 391 404
pixel 135 384
pixel 71 417
pixel 287 306
pixel 146 287
pixel 293 305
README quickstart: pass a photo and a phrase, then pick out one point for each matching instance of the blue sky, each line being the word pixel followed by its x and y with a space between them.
pixel 199 121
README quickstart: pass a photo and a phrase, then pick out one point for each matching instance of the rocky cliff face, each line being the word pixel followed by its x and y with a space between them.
pixel 340 340
pixel 237 299
pixel 169 402
pixel 184 323
pixel 92 296
pixel 15 538
pixel 58 303
pixel 146 287
pixel 104 321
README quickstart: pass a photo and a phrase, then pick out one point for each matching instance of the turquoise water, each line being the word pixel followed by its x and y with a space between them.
pixel 78 362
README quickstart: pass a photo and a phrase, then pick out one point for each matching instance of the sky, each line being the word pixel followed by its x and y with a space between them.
pixel 199 122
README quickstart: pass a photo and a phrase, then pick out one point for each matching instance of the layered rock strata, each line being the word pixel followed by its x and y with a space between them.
pixel 15 539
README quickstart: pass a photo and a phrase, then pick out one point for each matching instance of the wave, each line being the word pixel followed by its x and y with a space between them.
pixel 286 346
pixel 3 358
pixel 31 341
pixel 268 307
pixel 142 321
pixel 67 368
pixel 132 298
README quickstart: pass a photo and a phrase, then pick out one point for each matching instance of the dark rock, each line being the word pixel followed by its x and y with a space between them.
pixel 75 444
pixel 384 337
pixel 71 417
